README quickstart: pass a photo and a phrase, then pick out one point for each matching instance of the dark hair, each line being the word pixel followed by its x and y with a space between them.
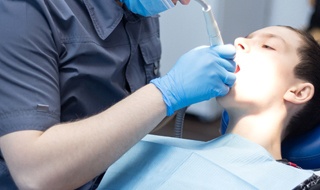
pixel 315 17
pixel 309 70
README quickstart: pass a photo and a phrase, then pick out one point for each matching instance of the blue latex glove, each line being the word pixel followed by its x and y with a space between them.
pixel 200 74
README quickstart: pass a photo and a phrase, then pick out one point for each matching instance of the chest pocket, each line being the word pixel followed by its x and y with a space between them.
pixel 151 53
pixel 145 52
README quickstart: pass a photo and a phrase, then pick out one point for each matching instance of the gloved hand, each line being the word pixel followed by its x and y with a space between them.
pixel 200 74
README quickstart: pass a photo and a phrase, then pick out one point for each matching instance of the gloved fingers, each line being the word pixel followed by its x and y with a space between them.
pixel 221 91
pixel 230 79
pixel 227 78
pixel 227 51
pixel 229 65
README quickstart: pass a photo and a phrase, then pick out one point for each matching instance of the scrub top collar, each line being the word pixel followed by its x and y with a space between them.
pixel 106 15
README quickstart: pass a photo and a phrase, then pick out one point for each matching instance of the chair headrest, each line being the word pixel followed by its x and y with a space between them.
pixel 304 150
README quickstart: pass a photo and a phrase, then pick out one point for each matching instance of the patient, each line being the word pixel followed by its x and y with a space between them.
pixel 276 96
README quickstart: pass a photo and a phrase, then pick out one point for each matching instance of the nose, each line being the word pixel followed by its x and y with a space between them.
pixel 242 44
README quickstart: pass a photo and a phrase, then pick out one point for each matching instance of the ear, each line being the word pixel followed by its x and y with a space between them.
pixel 300 93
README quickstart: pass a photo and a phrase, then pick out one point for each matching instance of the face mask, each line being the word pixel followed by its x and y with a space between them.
pixel 148 7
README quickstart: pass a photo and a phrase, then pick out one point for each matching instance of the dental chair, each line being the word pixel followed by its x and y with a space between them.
pixel 303 151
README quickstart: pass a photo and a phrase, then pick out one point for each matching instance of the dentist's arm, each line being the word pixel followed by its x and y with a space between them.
pixel 68 155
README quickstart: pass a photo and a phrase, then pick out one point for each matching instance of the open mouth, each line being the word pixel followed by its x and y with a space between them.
pixel 237 69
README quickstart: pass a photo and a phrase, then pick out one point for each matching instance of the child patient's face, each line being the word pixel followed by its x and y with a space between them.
pixel 266 59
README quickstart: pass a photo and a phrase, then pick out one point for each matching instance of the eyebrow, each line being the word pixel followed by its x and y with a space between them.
pixel 269 35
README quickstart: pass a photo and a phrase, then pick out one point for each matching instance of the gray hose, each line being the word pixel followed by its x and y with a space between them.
pixel 178 127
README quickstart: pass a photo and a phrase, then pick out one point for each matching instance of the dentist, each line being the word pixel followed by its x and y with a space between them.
pixel 80 86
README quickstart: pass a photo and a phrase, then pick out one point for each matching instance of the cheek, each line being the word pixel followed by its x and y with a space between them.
pixel 256 83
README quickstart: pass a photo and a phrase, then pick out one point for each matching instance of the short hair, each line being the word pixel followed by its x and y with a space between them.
pixel 307 69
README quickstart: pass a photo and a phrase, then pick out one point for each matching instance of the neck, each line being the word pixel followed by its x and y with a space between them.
pixel 263 128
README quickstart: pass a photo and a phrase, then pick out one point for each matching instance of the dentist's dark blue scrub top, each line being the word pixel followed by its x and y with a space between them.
pixel 62 60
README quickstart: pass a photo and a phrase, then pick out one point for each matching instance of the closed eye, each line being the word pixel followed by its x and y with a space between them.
pixel 267 47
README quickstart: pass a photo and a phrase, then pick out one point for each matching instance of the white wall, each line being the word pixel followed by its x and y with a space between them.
pixel 295 13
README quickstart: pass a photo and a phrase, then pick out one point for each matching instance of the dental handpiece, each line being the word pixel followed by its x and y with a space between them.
pixel 214 39
pixel 211 24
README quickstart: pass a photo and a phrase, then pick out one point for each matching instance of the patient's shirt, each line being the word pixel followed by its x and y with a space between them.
pixel 228 162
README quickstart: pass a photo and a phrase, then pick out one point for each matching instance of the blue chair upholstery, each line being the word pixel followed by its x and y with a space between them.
pixel 304 151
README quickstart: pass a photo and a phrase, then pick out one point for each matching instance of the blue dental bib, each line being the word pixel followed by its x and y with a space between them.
pixel 228 162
